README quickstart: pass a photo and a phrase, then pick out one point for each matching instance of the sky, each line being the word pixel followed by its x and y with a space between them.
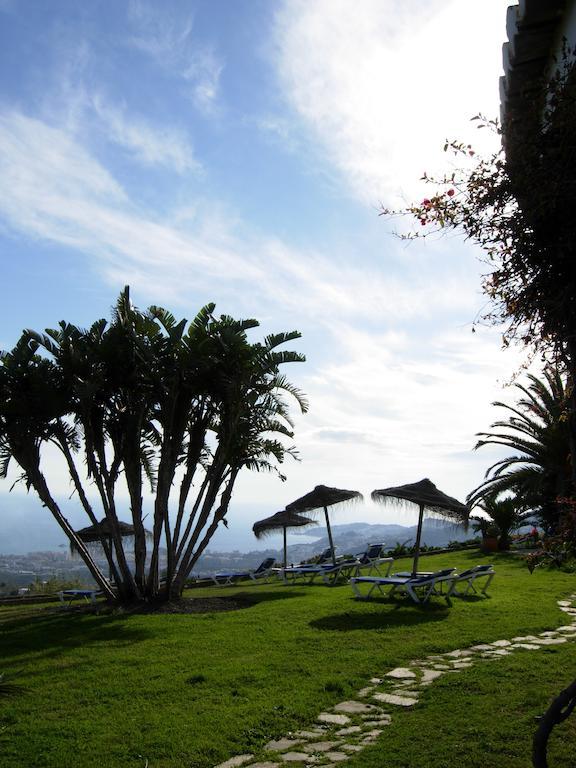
pixel 239 151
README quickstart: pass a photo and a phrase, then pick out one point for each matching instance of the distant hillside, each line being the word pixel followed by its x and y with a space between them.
pixel 355 536
pixel 349 538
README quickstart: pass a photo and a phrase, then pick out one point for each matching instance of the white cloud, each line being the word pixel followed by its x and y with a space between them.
pixel 387 403
pixel 392 409
pixel 382 85
pixel 151 144
pixel 51 187
pixel 166 35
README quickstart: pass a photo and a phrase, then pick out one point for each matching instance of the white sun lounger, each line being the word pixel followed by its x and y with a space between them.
pixel 419 588
pixel 467 578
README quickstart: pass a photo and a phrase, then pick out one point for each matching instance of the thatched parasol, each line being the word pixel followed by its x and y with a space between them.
pixel 280 522
pixel 93 534
pixel 323 497
pixel 427 497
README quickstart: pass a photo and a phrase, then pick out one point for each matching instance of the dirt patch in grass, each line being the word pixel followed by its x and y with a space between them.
pixel 197 605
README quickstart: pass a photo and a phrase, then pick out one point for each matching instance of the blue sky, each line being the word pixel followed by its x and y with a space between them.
pixel 237 151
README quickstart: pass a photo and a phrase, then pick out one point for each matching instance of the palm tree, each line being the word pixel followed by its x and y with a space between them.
pixel 145 398
pixel 537 430
pixel 505 514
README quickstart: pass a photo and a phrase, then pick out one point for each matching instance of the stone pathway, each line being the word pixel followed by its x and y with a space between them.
pixel 352 725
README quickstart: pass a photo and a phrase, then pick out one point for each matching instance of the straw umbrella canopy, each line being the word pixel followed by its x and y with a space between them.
pixel 280 521
pixel 321 498
pixel 428 498
pixel 93 534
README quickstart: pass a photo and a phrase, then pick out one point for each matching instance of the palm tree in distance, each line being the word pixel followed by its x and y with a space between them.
pixel 537 431
pixel 505 514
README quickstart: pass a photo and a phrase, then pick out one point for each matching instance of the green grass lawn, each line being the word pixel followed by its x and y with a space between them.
pixel 192 690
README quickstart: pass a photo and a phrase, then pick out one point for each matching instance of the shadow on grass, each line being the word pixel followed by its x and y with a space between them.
pixel 400 614
pixel 52 634
pixel 265 596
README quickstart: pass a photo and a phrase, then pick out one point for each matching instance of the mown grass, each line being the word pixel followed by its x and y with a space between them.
pixel 192 690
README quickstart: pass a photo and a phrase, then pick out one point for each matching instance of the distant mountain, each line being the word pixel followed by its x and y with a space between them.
pixel 355 536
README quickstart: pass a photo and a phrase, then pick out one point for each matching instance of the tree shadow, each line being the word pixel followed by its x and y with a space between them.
pixel 401 614
pixel 263 596
pixel 55 633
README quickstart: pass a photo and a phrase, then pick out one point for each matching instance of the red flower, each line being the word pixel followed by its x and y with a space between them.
pixel 450 193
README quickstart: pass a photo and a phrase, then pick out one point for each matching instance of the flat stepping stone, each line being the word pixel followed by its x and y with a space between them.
pixel 333 719
pixel 524 639
pixel 355 707
pixel 298 757
pixel 481 647
pixel 375 680
pixel 552 633
pixel 463 664
pixel 550 640
pixel 567 628
pixel 310 734
pixel 349 731
pixel 457 654
pixel 496 652
pixel 371 736
pixel 235 761
pixel 428 675
pixel 384 719
pixel 279 745
pixel 351 747
pixel 337 757
pixel 501 643
pixel 441 666
pixel 401 673
pixel 399 701
pixel 526 646
pixel 321 746
pixel 367 691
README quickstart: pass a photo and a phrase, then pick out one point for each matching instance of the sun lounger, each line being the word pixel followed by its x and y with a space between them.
pixel 330 574
pixel 467 578
pixel 69 595
pixel 263 571
pixel 373 557
pixel 419 588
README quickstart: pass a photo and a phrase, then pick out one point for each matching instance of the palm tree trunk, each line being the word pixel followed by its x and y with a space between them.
pixel 38 482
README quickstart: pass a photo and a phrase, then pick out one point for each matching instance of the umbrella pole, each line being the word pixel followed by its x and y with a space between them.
pixel 330 535
pixel 418 537
pixel 111 558
pixel 285 549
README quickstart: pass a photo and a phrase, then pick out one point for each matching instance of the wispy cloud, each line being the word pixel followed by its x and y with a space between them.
pixel 166 35
pixel 82 106
pixel 52 187
pixel 395 409
pixel 151 144
pixel 401 400
pixel 382 88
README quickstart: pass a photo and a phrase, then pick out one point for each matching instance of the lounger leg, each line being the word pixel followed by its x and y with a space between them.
pixel 412 593
pixel 490 577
